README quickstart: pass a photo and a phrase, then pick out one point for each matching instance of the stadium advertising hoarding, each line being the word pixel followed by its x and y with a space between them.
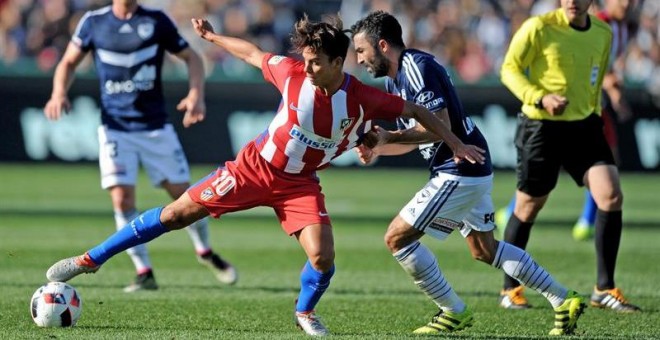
pixel 237 112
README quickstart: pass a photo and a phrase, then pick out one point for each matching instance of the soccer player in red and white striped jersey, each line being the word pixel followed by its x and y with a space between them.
pixel 324 113
pixel 313 127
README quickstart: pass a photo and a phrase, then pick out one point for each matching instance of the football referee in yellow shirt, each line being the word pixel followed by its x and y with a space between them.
pixel 555 66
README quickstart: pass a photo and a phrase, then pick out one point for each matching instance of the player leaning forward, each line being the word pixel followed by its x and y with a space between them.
pixel 325 113
pixel 458 194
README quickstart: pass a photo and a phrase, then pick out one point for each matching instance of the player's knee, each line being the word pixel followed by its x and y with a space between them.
pixel 393 241
pixel 617 200
pixel 323 260
pixel 620 198
pixel 123 202
pixel 528 212
pixel 123 198
pixel 396 241
pixel 483 252
pixel 387 238
pixel 173 218
pixel 483 255
pixel 400 234
pixel 611 201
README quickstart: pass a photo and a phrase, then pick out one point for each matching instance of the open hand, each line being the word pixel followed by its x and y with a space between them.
pixel 471 153
pixel 56 107
pixel 195 110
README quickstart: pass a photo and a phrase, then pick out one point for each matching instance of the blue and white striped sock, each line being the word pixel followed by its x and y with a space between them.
pixel 518 264
pixel 418 261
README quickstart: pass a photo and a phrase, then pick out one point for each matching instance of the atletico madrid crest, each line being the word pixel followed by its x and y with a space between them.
pixel 346 122
pixel 207 194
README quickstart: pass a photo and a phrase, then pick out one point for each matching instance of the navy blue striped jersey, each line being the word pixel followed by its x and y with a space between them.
pixel 128 55
pixel 421 79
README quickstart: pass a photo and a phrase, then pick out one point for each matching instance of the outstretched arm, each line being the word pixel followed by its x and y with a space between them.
pixel 239 48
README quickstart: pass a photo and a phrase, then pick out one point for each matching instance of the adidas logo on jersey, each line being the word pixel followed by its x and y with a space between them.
pixel 126 28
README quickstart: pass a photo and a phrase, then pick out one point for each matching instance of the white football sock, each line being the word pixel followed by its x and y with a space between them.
pixel 518 264
pixel 199 234
pixel 138 254
pixel 419 262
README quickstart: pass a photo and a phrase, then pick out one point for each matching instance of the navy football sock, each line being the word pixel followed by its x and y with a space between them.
pixel 608 236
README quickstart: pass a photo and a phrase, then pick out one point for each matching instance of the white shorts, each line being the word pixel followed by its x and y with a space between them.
pixel 449 202
pixel 159 152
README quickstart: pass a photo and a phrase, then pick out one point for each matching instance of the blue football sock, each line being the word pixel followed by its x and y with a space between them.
pixel 589 210
pixel 312 286
pixel 142 229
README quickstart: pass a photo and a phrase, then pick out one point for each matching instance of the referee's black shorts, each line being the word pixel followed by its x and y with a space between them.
pixel 544 146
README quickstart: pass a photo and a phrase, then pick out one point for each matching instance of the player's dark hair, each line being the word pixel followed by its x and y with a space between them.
pixel 327 37
pixel 380 25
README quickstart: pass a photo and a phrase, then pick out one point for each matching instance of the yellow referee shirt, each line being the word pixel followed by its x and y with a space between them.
pixel 547 55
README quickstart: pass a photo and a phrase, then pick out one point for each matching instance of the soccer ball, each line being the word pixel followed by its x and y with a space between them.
pixel 55 304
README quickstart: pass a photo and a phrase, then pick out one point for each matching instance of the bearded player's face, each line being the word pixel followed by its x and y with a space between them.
pixel 369 56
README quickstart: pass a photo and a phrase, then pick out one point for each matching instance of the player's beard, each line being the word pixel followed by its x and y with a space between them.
pixel 380 65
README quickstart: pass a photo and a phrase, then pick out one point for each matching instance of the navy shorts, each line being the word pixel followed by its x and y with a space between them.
pixel 545 146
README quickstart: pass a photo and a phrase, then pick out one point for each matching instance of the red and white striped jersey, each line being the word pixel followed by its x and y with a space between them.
pixel 310 128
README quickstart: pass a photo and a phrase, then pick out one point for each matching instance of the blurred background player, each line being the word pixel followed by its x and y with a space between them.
pixel 555 66
pixel 615 108
pixel 128 43
pixel 458 195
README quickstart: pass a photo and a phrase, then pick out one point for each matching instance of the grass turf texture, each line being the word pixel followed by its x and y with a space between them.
pixel 48 212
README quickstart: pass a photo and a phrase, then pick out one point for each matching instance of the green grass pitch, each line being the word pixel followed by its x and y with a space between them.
pixel 48 212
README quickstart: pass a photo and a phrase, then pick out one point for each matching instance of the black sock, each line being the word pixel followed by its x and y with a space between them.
pixel 516 233
pixel 607 239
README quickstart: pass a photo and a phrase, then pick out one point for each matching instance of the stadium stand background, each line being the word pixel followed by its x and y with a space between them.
pixel 470 36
